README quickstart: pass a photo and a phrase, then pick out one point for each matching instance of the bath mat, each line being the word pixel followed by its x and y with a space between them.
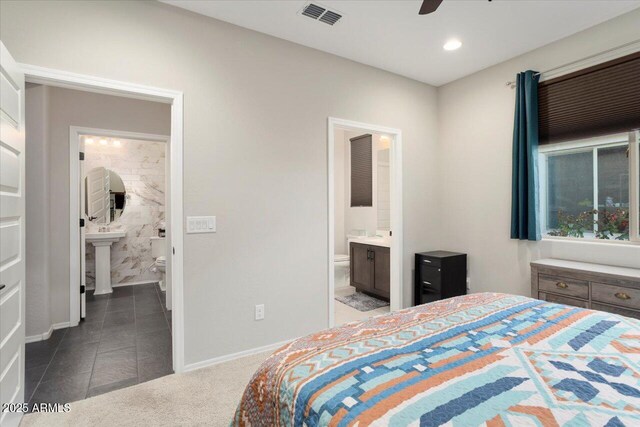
pixel 362 302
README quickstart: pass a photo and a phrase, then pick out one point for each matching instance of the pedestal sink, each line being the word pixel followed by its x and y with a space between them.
pixel 102 241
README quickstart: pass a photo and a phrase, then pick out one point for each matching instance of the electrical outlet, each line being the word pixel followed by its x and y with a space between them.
pixel 260 312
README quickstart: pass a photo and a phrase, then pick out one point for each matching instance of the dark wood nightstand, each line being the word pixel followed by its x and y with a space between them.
pixel 439 275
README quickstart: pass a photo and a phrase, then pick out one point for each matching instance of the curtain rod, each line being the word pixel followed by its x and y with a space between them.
pixel 512 83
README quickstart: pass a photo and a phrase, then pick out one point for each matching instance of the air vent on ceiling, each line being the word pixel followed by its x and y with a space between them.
pixel 330 17
pixel 313 11
pixel 321 14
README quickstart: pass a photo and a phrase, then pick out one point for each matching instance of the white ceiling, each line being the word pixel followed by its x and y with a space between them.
pixel 392 36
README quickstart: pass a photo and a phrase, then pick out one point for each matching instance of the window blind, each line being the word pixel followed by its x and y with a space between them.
pixel 361 171
pixel 599 100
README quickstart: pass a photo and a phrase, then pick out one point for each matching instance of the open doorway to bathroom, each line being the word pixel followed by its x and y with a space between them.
pixel 364 221
pixel 97 316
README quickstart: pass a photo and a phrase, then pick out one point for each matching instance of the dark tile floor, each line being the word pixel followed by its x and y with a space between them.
pixel 124 340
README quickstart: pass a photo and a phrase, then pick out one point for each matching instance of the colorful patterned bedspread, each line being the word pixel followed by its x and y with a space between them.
pixel 493 359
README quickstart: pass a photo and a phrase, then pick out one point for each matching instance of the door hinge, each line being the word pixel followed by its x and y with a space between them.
pixel 174 251
pixel 82 289
pixel 81 222
pixel 81 155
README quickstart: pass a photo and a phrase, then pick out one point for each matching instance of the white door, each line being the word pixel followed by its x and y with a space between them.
pixel 12 235
pixel 83 248
pixel 98 197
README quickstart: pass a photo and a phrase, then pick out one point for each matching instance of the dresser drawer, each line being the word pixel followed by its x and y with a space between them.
pixel 563 286
pixel 616 310
pixel 559 299
pixel 615 295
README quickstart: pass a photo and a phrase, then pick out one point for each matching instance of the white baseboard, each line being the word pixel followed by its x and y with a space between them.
pixel 143 282
pixel 119 285
pixel 233 356
pixel 46 335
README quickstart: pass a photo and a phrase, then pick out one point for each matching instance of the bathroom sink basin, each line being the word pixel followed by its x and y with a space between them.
pixel 104 236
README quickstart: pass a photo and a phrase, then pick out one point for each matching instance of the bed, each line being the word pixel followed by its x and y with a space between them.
pixel 492 359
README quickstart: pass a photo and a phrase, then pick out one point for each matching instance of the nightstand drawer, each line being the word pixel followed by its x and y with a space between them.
pixel 559 299
pixel 430 262
pixel 563 286
pixel 431 282
pixel 615 295
pixel 428 294
pixel 430 273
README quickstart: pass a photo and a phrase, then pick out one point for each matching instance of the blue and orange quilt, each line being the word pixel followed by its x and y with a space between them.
pixel 481 359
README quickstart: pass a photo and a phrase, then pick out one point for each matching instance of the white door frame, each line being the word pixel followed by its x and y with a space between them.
pixel 395 171
pixel 52 77
pixel 75 133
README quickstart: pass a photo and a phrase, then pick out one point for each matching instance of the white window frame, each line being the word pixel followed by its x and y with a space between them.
pixel 588 145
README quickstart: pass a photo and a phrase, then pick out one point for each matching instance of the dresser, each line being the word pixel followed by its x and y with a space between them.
pixel 439 275
pixel 581 284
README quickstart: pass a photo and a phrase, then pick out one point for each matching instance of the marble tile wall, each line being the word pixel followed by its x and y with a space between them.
pixel 141 165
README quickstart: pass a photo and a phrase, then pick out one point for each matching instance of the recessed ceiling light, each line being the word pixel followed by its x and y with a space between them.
pixel 116 143
pixel 88 140
pixel 452 44
pixel 103 141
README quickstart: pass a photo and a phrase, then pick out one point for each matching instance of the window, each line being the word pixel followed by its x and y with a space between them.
pixel 361 171
pixel 589 188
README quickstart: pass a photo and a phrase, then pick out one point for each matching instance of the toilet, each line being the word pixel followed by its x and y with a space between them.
pixel 159 254
pixel 341 270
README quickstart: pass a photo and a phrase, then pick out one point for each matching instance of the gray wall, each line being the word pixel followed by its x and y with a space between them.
pixel 475 131
pixel 37 289
pixel 48 167
pixel 255 151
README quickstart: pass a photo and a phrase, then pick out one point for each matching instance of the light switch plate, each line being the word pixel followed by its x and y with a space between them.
pixel 201 224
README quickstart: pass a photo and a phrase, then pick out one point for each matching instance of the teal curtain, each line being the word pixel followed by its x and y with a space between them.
pixel 524 195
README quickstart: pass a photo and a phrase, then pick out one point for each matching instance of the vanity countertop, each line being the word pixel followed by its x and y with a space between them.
pixel 384 242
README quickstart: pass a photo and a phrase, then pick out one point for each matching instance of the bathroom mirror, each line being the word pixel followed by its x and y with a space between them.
pixel 105 195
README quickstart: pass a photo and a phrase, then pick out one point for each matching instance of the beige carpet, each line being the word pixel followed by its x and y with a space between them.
pixel 206 397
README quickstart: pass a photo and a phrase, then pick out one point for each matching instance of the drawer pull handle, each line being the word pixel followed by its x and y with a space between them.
pixel 426 283
pixel 622 295
pixel 562 285
pixel 427 261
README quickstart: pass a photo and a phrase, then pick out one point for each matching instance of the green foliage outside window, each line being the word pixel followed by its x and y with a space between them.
pixel 609 224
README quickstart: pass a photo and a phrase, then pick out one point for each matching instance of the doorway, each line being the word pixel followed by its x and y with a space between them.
pixel 57 78
pixel 134 167
pixel 152 310
pixel 372 247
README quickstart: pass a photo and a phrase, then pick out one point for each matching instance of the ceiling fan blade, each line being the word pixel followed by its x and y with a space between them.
pixel 429 6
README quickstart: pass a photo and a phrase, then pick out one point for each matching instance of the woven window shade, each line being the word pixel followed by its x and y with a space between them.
pixel 361 171
pixel 599 100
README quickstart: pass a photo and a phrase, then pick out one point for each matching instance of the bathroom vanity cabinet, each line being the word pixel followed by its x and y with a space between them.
pixel 370 268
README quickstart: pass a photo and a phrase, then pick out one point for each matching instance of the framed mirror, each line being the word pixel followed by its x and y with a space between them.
pixel 105 196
